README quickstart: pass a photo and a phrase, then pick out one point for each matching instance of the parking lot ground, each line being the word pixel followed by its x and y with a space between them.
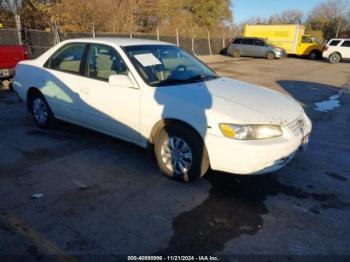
pixel 102 196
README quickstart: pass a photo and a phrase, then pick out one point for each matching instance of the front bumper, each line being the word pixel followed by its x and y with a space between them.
pixel 255 156
pixel 280 54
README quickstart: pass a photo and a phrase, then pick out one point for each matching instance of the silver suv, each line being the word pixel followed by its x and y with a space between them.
pixel 254 47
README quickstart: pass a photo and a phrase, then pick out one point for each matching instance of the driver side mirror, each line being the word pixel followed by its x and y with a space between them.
pixel 121 81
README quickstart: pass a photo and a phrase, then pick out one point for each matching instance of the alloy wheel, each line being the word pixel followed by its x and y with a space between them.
pixel 40 111
pixel 176 155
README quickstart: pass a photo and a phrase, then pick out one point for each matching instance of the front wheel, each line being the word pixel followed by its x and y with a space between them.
pixel 270 55
pixel 314 55
pixel 334 58
pixel 181 153
pixel 41 111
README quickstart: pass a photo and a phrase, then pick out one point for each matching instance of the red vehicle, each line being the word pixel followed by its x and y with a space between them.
pixel 9 57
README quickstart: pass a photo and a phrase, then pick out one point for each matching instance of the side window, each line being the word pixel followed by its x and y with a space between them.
pixel 306 39
pixel 346 43
pixel 68 58
pixel 248 41
pixel 237 41
pixel 259 42
pixel 104 61
pixel 334 43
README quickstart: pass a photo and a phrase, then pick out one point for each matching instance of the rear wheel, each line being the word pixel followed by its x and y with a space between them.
pixel 270 55
pixel 334 58
pixel 41 111
pixel 236 53
pixel 181 153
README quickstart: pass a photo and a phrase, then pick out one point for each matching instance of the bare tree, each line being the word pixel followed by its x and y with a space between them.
pixel 327 16
pixel 287 17
pixel 12 5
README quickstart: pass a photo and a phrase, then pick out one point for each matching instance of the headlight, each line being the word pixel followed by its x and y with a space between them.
pixel 250 132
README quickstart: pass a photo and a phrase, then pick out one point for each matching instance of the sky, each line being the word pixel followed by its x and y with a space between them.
pixel 245 9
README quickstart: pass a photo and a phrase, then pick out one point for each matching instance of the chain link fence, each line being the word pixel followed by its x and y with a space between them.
pixel 38 41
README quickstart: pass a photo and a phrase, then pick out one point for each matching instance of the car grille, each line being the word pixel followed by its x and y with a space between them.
pixel 298 125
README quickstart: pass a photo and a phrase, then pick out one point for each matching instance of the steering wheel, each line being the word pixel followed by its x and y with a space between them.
pixel 181 68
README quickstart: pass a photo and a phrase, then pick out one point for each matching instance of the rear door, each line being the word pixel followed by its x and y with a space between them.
pixel 61 81
pixel 236 45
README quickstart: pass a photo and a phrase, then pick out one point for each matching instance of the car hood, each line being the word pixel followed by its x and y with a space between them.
pixel 267 105
pixel 232 101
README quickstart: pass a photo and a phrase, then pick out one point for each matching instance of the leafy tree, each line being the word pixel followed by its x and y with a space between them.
pixel 189 16
pixel 35 14
pixel 6 17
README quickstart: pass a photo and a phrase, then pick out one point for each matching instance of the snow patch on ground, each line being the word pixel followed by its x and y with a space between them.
pixel 329 104
pixel 332 102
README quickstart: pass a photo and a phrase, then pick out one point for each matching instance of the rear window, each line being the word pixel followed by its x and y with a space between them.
pixel 237 41
pixel 346 43
pixel 334 42
pixel 67 58
pixel 248 41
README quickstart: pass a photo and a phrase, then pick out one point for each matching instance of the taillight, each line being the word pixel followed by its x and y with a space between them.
pixel 325 48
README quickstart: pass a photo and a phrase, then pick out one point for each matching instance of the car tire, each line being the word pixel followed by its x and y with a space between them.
pixel 270 56
pixel 181 153
pixel 41 111
pixel 236 53
pixel 334 58
pixel 315 55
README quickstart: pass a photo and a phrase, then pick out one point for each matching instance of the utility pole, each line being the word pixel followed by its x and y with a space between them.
pixel 338 28
pixel 340 19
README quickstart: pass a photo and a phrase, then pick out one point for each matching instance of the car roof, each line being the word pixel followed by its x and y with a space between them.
pixel 248 37
pixel 119 41
pixel 339 39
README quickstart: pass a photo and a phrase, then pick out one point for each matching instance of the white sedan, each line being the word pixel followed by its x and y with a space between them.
pixel 155 94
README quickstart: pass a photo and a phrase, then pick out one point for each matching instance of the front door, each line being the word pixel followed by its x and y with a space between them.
pixel 305 46
pixel 110 109
pixel 248 48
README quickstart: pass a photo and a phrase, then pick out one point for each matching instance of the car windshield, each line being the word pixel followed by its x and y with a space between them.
pixel 161 65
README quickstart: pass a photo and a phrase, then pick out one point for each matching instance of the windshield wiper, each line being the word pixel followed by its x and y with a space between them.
pixel 182 81
pixel 169 81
